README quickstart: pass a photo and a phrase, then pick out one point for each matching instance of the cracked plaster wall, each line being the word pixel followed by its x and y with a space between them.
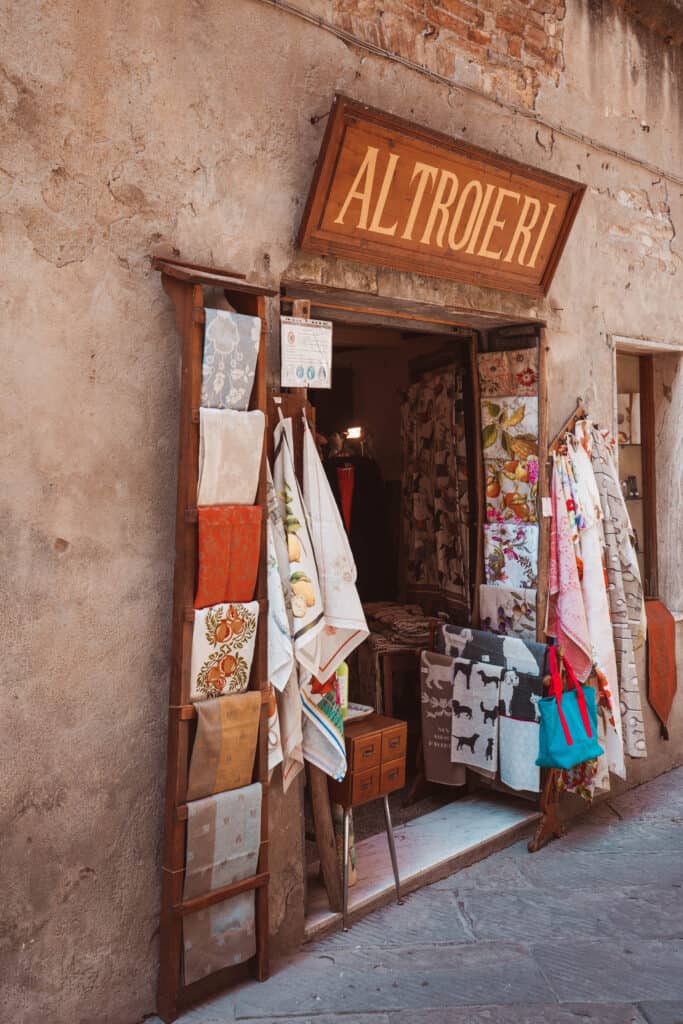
pixel 130 125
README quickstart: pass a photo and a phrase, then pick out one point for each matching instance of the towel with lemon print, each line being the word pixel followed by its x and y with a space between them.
pixel 323 730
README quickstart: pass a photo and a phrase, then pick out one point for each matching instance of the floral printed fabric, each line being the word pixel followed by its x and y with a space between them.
pixel 223 643
pixel 223 837
pixel 508 373
pixel 509 428
pixel 511 490
pixel 505 610
pixel 231 344
pixel 435 502
pixel 511 554
pixel 230 448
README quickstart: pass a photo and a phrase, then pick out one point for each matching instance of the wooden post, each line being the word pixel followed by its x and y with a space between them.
pixel 649 484
pixel 479 478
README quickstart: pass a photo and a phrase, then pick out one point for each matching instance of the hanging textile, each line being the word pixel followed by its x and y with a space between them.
pixel 625 589
pixel 437 673
pixel 323 728
pixel 474 722
pixel 526 657
pixel 565 613
pixel 345 625
pixel 225 744
pixel 223 836
pixel 274 738
pixel 291 729
pixel 511 490
pixel 509 427
pixel 280 650
pixel 511 554
pixel 596 605
pixel 435 502
pixel 223 641
pixel 230 449
pixel 229 546
pixel 231 344
pixel 661 653
pixel 508 373
pixel 518 727
pixel 304 601
pixel 504 610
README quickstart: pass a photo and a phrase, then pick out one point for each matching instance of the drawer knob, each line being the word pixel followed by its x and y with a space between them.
pixel 369 750
pixel 395 742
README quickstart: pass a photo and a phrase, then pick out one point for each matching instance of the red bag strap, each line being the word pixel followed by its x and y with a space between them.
pixel 556 691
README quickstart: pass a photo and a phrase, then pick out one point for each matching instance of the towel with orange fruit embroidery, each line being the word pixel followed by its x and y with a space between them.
pixel 223 643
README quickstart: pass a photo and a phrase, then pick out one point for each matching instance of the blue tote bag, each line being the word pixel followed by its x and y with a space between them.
pixel 569 721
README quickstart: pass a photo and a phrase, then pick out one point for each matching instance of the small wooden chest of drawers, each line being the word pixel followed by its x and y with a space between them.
pixel 376 756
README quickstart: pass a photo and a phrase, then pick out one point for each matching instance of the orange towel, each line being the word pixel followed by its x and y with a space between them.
pixel 661 660
pixel 229 544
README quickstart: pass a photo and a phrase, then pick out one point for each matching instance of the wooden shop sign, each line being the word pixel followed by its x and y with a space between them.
pixel 389 192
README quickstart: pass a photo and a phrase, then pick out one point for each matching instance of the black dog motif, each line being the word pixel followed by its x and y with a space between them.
pixel 467 741
pixel 490 714
pixel 486 679
pixel 466 669
pixel 489 749
pixel 461 709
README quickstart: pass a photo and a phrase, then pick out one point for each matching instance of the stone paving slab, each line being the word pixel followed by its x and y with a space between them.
pixel 663 1013
pixel 594 970
pixel 400 978
pixel 634 912
pixel 548 1013
pixel 560 867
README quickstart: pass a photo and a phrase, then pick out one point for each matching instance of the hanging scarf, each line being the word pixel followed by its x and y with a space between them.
pixel 345 625
pixel 625 590
pixel 596 605
pixel 565 615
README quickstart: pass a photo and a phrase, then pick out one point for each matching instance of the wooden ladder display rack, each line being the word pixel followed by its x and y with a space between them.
pixel 185 284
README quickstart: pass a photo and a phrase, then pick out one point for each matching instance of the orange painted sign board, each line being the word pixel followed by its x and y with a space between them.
pixel 393 193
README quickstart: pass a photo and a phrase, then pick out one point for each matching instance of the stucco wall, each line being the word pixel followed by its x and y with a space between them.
pixel 131 125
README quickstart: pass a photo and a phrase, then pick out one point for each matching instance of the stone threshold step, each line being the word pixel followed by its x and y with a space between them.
pixel 429 848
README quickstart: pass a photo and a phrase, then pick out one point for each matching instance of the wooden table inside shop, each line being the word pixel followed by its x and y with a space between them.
pixel 376 758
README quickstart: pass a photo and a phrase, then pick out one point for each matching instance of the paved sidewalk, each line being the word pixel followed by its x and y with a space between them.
pixel 589 929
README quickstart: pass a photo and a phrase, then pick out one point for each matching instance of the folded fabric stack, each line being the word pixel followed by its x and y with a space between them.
pixel 481 692
pixel 402 624
pixel 509 416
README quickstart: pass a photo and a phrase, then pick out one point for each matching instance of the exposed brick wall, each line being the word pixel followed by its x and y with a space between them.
pixel 506 47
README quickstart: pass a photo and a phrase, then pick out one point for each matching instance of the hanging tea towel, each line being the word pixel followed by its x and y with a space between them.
pixel 345 625
pixel 511 554
pixel 230 449
pixel 474 724
pixel 229 545
pixel 225 744
pixel 223 641
pixel 436 691
pixel 231 344
pixel 323 729
pixel 280 650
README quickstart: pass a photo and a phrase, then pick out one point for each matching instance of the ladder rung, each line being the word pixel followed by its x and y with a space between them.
pixel 209 899
pixel 187 712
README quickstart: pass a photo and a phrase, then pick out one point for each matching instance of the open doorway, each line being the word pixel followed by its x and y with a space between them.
pixel 399 436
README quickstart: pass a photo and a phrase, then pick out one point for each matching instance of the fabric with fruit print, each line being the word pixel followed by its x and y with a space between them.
pixel 511 490
pixel 509 428
pixel 304 599
pixel 508 611
pixel 223 644
pixel 231 344
pixel 511 554
pixel 345 625
pixel 508 373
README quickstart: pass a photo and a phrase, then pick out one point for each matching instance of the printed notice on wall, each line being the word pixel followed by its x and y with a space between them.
pixel 306 353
